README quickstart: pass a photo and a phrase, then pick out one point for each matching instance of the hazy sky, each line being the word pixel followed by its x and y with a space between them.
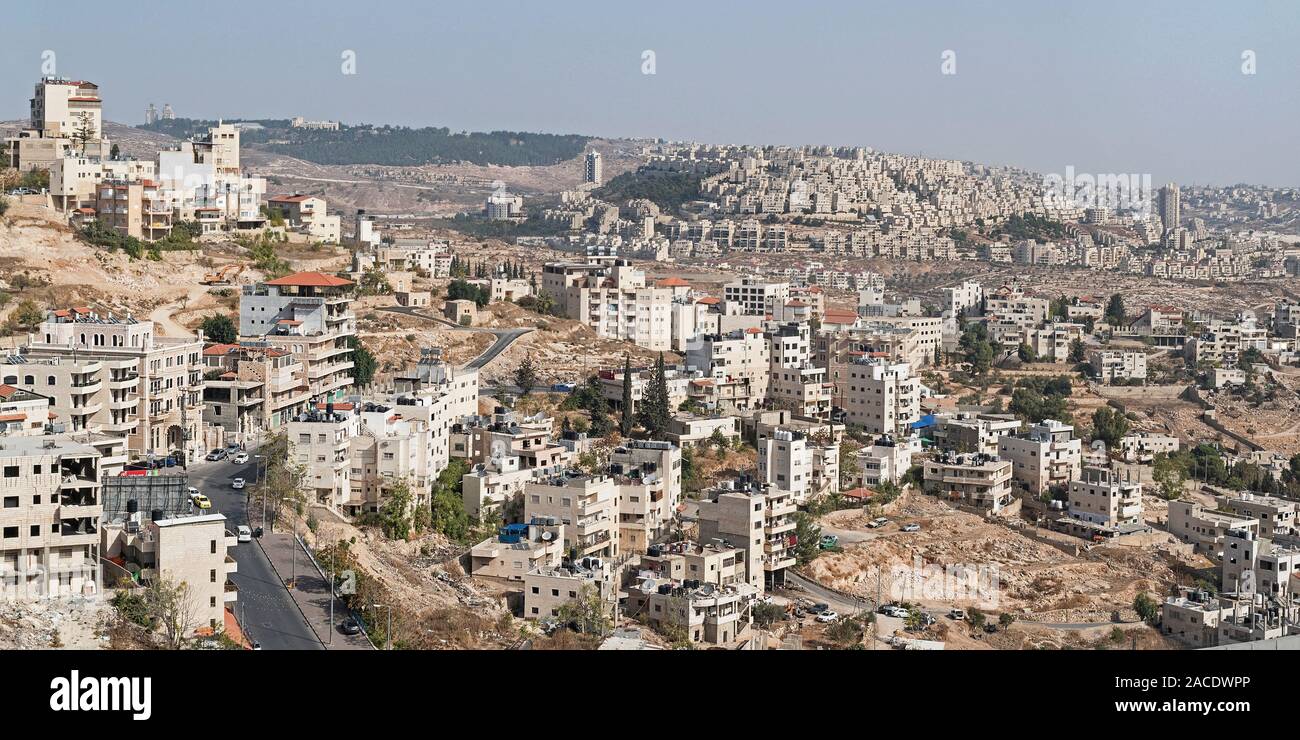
pixel 1107 87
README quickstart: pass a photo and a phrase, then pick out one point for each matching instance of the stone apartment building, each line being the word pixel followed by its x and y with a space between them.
pixel 613 299
pixel 975 479
pixel 794 381
pixel 755 518
pixel 112 374
pixel 309 315
pixel 735 368
pixel 252 386
pixel 1113 365
pixel 586 505
pixel 22 413
pixel 1107 498
pixel 881 397
pixel 1048 456
pixel 649 477
pixel 50 508
pixel 519 549
pixel 792 462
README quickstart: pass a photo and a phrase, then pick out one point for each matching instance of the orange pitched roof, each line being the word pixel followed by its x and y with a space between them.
pixel 13 417
pixel 219 349
pixel 672 282
pixel 337 406
pixel 709 300
pixel 6 390
pixel 311 279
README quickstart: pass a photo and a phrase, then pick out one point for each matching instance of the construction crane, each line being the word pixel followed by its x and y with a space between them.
pixel 223 276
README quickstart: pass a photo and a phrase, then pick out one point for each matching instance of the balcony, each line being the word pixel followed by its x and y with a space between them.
pixel 231 594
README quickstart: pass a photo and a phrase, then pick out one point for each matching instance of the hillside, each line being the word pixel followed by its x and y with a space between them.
pixel 394 145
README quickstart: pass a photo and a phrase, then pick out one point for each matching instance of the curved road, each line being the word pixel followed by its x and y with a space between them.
pixel 505 337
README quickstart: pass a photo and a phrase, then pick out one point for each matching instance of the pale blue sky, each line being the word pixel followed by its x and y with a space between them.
pixel 1106 86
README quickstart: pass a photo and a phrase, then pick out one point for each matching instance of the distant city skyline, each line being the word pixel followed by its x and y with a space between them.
pixel 1114 87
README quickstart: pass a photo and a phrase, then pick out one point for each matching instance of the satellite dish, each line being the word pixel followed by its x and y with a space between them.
pixel 546 536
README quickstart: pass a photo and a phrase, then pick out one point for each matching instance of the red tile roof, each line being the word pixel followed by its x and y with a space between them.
pixel 311 279
pixel 672 282
pixel 337 406
pixel 7 391
pixel 216 350
pixel 709 301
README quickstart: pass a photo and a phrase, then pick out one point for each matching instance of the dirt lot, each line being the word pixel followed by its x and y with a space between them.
pixel 1037 582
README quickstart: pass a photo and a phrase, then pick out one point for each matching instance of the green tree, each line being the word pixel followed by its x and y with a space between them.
pixel 766 614
pixel 1026 353
pixel 655 409
pixel 588 612
pixel 1146 607
pixel 363 362
pixel 1115 315
pixel 1169 477
pixel 395 513
pixel 625 417
pixel 526 376
pixel 1077 350
pixel 976 618
pixel 27 315
pixel 1109 426
pixel 219 328
pixel 173 609
pixel 808 537
pixel 448 508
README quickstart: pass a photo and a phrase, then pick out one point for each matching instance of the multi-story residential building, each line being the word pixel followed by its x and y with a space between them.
pixel 706 613
pixel 676 379
pixel 1256 565
pixel 756 297
pixel 1276 516
pixel 879 396
pixel 547 589
pixel 1163 325
pixel 113 374
pixel 758 519
pixel 136 209
pixel 1205 528
pixel 973 478
pixel 310 215
pixel 193 550
pixel 50 518
pixel 519 549
pixel 613 299
pixel 586 505
pixel 1114 365
pixel 252 386
pixel 967 432
pixel 735 367
pixel 1144 446
pixel 649 477
pixel 794 382
pixel 1105 497
pixel 887 460
pixel 1049 456
pixel 790 461
pixel 592 169
pixel 320 442
pixel 22 413
pixel 309 315
pixel 1192 618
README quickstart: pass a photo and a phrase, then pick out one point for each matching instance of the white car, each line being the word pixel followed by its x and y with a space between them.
pixel 878 522
pixel 897 612
pixel 239 483
pixel 912 528
pixel 244 534
pixel 827 616
pixel 240 458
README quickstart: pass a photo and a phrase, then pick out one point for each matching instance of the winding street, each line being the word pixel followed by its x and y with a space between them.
pixel 505 337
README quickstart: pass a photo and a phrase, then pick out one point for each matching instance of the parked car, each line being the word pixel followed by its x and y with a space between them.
pixel 240 458
pixel 257 645
pixel 827 616
pixel 350 626
pixel 244 534
pixel 897 612
pixel 828 541
pixel 877 522
pixel 192 491
pixel 232 447
pixel 200 501
pixel 217 454
pixel 957 614
pixel 237 484
pixel 819 608
pixel 912 528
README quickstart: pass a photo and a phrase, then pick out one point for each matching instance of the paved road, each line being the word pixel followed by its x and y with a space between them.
pixel 505 337
pixel 264 607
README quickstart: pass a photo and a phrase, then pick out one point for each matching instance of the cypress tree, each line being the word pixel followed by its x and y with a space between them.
pixel 625 420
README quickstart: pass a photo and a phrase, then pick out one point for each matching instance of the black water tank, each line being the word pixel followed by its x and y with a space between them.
pixel 132 506
pixel 156 515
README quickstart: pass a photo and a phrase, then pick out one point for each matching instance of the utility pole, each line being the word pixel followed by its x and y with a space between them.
pixel 388 633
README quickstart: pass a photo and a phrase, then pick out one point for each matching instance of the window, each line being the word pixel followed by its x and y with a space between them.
pixel 10 532
pixel 11 502
pixel 212 548
pixel 11 471
pixel 212 576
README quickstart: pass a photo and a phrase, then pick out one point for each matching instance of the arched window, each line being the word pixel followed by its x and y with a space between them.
pixel 29 380
pixel 11 380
